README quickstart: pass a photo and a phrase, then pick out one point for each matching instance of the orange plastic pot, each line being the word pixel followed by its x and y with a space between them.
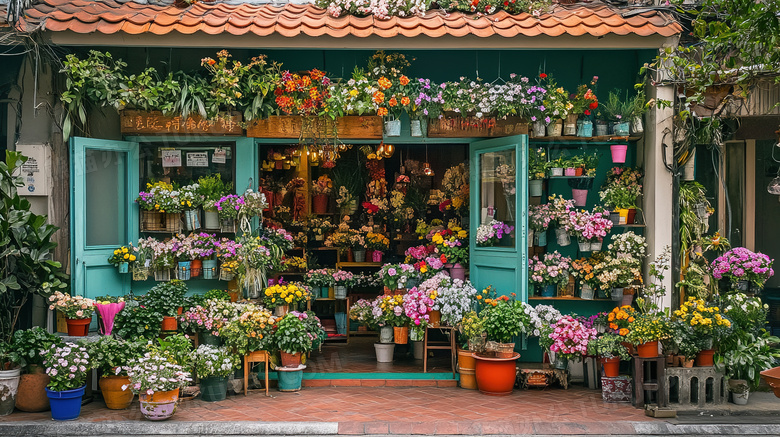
pixel 611 367
pixel 290 360
pixel 495 376
pixel 647 350
pixel 113 395
pixel 467 365
pixel 78 327
pixel 401 334
pixel 705 358
pixel 169 324
pixel 196 267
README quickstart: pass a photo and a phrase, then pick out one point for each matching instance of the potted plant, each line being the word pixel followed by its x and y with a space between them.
pixel 76 309
pixel 582 269
pixel 249 331
pixel 708 326
pixel 557 166
pixel 504 319
pixel 559 209
pixel 10 371
pixel 745 362
pixel 67 368
pixel 191 200
pixel 683 343
pixel 320 191
pixel 207 319
pixel 569 340
pixel 292 340
pixel 646 331
pixel 453 298
pixel 160 207
pixel 537 170
pixel 156 380
pixel 490 234
pixel 212 188
pixel 138 321
pixel 638 108
pixel 393 315
pixel 229 208
pixel 610 350
pixel 619 112
pixel 283 296
pixel 167 299
pixel 583 103
pixel 107 307
pixel 320 279
pixel 377 245
pixel 539 218
pixel 29 345
pixel 472 328
pixel 213 365
pixel 122 258
pixel 741 267
pixel 549 272
pixel 111 356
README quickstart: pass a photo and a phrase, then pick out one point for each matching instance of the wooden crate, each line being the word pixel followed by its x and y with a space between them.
pixel 134 122
pixel 154 221
pixel 290 126
pixel 456 126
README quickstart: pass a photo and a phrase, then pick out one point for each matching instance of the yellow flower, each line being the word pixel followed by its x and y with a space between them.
pixel 126 256
pixel 132 257
pixel 116 252
pixel 124 250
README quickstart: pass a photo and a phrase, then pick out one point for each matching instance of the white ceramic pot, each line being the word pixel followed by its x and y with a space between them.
pixel 384 352
pixel 9 385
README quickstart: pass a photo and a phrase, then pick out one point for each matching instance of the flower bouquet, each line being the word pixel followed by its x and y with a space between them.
pixel 552 271
pixel 107 308
pixel 741 264
pixel 453 297
pixel 490 234
pixel 417 306
pixel 285 294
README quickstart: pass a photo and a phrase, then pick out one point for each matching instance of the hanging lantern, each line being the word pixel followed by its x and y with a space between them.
pixel 427 170
pixel 389 150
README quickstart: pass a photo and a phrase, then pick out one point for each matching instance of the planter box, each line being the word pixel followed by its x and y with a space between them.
pixel 456 126
pixel 155 123
pixel 290 126
pixel 153 221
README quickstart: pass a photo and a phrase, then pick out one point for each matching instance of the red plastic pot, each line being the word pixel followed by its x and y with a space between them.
pixel 611 366
pixel 78 327
pixel 496 376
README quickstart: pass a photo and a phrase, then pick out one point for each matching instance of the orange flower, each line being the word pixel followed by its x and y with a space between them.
pixel 384 83
pixel 316 74
pixel 313 93
pixel 381 112
pixel 623 331
pixel 404 80
pixel 611 317
pixel 289 86
pixel 306 81
pixel 392 102
pixel 630 320
pixel 405 101
pixel 212 62
pixel 379 97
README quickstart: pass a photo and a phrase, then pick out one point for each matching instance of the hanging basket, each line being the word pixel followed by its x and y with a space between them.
pixel 140 273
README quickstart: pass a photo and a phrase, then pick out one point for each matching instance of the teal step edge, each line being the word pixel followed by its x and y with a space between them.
pixel 398 376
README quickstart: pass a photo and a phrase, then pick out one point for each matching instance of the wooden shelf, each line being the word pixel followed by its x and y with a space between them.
pixel 570 177
pixel 354 264
pixel 603 138
pixel 633 225
pixel 566 298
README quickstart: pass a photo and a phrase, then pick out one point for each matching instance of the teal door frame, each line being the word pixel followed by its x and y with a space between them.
pixel 91 262
pixel 505 268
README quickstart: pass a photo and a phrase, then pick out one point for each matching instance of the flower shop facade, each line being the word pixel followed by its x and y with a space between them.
pixel 294 161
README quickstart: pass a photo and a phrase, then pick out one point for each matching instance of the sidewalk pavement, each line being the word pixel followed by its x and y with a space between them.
pixel 405 411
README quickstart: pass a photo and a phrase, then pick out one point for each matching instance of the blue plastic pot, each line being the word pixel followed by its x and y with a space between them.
pixel 549 290
pixel 66 404
pixel 584 128
pixel 324 292
pixel 541 238
pixel 124 267
pixel 184 271
pixel 290 380
pixel 209 269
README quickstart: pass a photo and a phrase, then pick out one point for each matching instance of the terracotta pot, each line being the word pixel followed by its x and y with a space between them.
pixel 320 203
pixel 401 334
pixel 78 327
pixel 160 405
pixel 686 363
pixel 467 366
pixel 631 216
pixel 113 395
pixel 772 377
pixel 169 323
pixel 290 360
pixel 647 350
pixel 579 171
pixel 350 256
pixel 705 358
pixel 435 318
pixel 31 396
pixel 196 267
pixel 495 376
pixel 611 366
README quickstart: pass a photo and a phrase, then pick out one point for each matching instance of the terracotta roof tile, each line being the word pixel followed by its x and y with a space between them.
pixel 290 20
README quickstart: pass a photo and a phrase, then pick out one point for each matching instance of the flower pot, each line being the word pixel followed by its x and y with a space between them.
pixel 560 362
pixel 570 126
pixel 418 128
pixel 601 129
pixel 324 292
pixel 107 313
pixel 434 318
pixel 78 327
pixel 393 128
pixel 123 267
pixel 418 350
pixel 495 376
pixel 556 171
pixel 209 269
pixel 772 378
pixel 66 404
pixel 611 367
pixel 360 255
pixel 584 128
pixel 376 256
pixel 569 171
pixel 386 334
pixel 580 196
pixel 341 323
pixel 602 294
pixel 209 339
pixel 467 366
pixel 159 405
pixel 184 271
pixel 621 129
pixel 584 246
pixel 647 350
pixel 637 127
pixel 540 238
pixel 290 380
pixel 631 216
pixel 562 237
pixel 628 299
pixel 384 352
pixel 458 272
pixel 213 388
pixel 617 294
pixel 740 398
pixel 535 187
pixel 31 396
pixel 618 153
pixel 113 395
pixel 549 290
pixel 9 386
pixel 340 292
pixel 211 219
pixel 623 213
pixel 320 203
pixel 281 310
pixel 595 246
pixel 586 292
pixel 401 334
pixel 579 171
pixel 555 128
pixel 192 219
pixel 197 268
pixel 614 216
pixel 169 324
pixel 705 358
pixel 740 390
pixel 539 128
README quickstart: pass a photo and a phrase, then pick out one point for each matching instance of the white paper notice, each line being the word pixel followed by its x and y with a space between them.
pixel 198 159
pixel 219 156
pixel 171 158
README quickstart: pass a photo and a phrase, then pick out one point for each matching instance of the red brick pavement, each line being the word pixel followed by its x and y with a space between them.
pixel 402 410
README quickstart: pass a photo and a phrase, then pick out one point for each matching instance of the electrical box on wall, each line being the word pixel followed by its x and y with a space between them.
pixel 35 172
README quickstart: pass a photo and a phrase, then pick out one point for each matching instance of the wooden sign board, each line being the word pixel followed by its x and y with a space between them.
pixel 155 123
pixel 290 126
pixel 473 127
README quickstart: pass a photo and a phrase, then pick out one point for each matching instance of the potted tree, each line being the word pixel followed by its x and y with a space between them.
pixel 157 381
pixel 111 356
pixel 610 350
pixel 67 367
pixel 10 370
pixel 213 365
pixel 28 345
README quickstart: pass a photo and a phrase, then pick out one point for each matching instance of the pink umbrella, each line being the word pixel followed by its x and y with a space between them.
pixel 107 312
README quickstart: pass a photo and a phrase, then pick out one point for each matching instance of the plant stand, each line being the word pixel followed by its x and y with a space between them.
pixel 256 357
pixel 649 375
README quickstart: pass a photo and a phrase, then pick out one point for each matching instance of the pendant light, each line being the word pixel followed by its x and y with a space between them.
pixel 389 150
pixel 427 170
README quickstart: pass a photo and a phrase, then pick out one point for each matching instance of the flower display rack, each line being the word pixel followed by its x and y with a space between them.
pixel 697 387
pixel 154 221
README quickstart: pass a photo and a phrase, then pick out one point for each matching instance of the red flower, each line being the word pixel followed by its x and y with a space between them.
pixel 444 205
pixel 593 105
pixel 443 258
pixel 543 76
pixel 587 112
pixel 370 207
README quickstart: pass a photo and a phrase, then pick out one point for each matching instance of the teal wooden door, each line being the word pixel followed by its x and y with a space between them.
pixel 498 181
pixel 104 216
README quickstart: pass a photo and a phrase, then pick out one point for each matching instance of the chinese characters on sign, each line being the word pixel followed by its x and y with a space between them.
pixel 154 122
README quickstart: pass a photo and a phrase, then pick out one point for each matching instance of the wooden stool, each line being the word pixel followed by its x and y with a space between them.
pixel 440 345
pixel 645 370
pixel 255 357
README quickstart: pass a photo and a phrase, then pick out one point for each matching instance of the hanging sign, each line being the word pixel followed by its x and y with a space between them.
pixel 219 156
pixel 197 159
pixel 154 122
pixel 171 158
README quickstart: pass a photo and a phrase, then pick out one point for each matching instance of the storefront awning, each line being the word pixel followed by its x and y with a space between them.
pixel 127 23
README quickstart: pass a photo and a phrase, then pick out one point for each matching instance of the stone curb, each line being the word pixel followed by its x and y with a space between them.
pixel 75 428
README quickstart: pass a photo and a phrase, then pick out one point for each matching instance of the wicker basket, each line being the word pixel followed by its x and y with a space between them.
pixel 163 275
pixel 140 273
pixel 153 221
